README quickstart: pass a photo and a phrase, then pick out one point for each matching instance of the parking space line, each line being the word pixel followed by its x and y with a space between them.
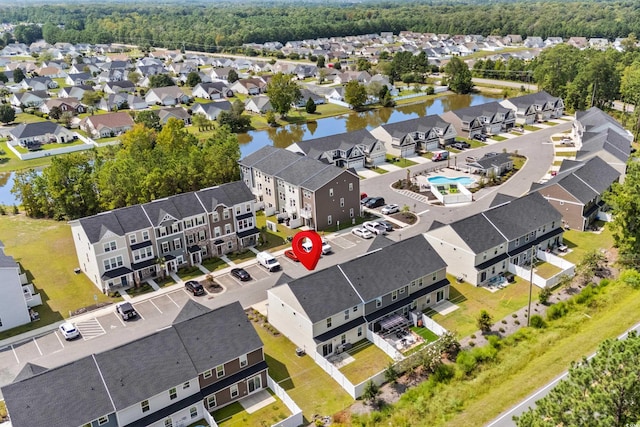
pixel 59 340
pixel 37 346
pixel 140 315
pixel 152 303
pixel 120 319
pixel 15 354
pixel 169 296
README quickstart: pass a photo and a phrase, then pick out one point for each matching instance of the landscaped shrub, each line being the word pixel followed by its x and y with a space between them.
pixel 466 362
pixel 558 310
pixel 484 354
pixel 544 295
pixel 538 322
pixel 504 322
pixel 495 341
pixel 501 330
pixel 586 295
pixel 629 277
pixel 443 373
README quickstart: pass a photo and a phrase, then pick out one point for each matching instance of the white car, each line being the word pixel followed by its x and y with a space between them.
pixel 390 209
pixel 326 247
pixel 69 331
pixel 362 232
pixel 374 227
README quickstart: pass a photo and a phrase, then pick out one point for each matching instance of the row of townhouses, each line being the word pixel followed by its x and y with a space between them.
pixel 204 361
pixel 125 246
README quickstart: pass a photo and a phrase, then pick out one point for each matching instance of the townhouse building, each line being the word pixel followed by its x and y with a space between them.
pixel 122 247
pixel 485 119
pixel 204 361
pixel 482 248
pixel 332 308
pixel 16 298
pixel 302 190
pixel 535 107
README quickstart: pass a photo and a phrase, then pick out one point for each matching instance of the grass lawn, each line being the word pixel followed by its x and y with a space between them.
pixel 46 251
pixel 369 361
pixel 565 153
pixel 143 289
pixel 27 118
pixel 498 138
pixel 557 163
pixel 214 264
pixel 378 170
pixel 513 132
pixel 532 364
pixel 532 128
pixel 238 257
pixel 473 142
pixel 401 162
pixel 234 415
pixel 313 390
pixel 546 270
pixel 167 281
pixel 426 334
pixel 471 300
pixel 189 273
pixel 582 242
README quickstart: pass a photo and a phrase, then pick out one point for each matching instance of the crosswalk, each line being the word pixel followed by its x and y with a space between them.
pixel 90 329
pixel 415 196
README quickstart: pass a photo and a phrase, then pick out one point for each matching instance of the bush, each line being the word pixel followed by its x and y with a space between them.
pixel 557 311
pixel 443 373
pixel 495 341
pixel 484 354
pixel 629 277
pixel 586 295
pixel 466 362
pixel 537 322
pixel 545 293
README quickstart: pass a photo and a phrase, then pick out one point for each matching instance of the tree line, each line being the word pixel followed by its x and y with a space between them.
pixel 147 165
pixel 213 28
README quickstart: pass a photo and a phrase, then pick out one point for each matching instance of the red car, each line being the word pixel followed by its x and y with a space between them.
pixel 291 255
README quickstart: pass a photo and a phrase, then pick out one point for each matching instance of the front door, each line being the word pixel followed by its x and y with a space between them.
pixel 124 281
pixel 254 384
pixel 327 349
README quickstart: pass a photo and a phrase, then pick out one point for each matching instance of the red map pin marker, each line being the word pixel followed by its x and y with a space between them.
pixel 308 259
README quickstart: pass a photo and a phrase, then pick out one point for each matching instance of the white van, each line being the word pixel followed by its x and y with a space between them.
pixel 326 247
pixel 268 261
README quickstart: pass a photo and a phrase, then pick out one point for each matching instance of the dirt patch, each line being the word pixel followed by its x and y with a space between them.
pixel 406 217
pixel 90 308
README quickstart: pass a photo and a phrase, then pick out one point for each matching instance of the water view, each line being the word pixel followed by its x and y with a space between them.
pixel 287 135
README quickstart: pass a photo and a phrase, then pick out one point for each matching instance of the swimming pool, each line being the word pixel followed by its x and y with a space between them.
pixel 462 180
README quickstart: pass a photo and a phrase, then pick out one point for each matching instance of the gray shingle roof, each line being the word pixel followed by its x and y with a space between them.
pixel 28 130
pixel 478 233
pixel 539 98
pixel 70 395
pixel 98 225
pixel 218 336
pixel 419 124
pixel 158 209
pixel 314 148
pixel 275 162
pixel 253 158
pixel 488 110
pixel 132 218
pixel 143 368
pixel 229 194
pixel 609 140
pixel 188 204
pixel 323 176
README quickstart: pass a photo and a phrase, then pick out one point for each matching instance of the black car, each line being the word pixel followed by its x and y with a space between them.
pixel 241 274
pixel 375 202
pixel 479 137
pixel 457 146
pixel 387 225
pixel 364 200
pixel 194 287
pixel 461 145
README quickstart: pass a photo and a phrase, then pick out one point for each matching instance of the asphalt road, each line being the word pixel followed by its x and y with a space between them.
pixel 506 418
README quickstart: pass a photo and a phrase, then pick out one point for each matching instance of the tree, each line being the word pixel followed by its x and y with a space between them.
pixel 602 391
pixel 3 77
pixel 484 321
pixel 320 61
pixel 18 75
pixel 161 80
pixel 232 77
pixel 270 117
pixel 91 98
pixel 370 392
pixel 592 263
pixel 7 113
pixel 55 112
pixel 149 119
pixel 363 64
pixel 355 94
pixel 458 76
pixel 134 77
pixel 283 92
pixel 193 78
pixel 310 106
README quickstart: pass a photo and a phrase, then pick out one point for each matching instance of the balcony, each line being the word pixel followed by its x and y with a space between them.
pixel 306 213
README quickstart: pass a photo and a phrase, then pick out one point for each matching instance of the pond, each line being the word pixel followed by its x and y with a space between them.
pixel 287 135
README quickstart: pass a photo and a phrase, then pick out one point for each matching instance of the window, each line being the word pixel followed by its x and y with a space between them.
pixel 173 393
pixel 247 207
pixel 329 220
pixel 351 186
pixel 359 331
pixel 177 243
pixel 111 263
pixel 234 390
pixel 331 192
pixel 211 401
pixel 394 295
pixel 216 217
pixel 165 247
pixel 343 339
pixel 351 213
pixel 355 308
pixel 219 371
pixel 226 214
pixel 378 302
pixel 207 374
pixel 434 277
pixel 402 290
pixel 216 232
pixel 103 420
pixel 186 385
pixel 439 296
pixel 238 210
pixel 145 235
pixel 110 246
pixel 342 202
pixel 144 405
pixel 517 242
pixel 227 229
pixel 346 315
pixel 168 422
pixel 132 239
pixel 329 322
pixel 243 360
pixel 193 412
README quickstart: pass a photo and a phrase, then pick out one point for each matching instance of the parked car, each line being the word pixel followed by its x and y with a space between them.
pixel 390 209
pixel 439 156
pixel 194 287
pixel 268 261
pixel 362 232
pixel 126 310
pixel 291 255
pixel 374 202
pixel 463 144
pixel 470 159
pixel 518 128
pixel 387 225
pixel 365 199
pixel 241 274
pixel 374 227
pixel 326 247
pixel 69 331
pixel 479 137
pixel 363 196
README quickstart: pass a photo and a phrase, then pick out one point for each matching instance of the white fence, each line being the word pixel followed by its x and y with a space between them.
pixel 383 345
pixel 567 269
pixel 377 379
pixel 462 196
pixel 296 418
pixel 335 373
pixel 432 325
pixel 53 152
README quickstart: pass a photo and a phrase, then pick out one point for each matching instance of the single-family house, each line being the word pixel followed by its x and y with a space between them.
pixel 305 95
pixel 252 86
pixel 258 104
pixel 107 125
pixel 33 135
pixel 482 248
pixel 169 95
pixel 212 90
pixel 119 86
pixel 332 309
pixel 535 107
pixel 211 110
pixel 121 101
pixel 355 149
pixel 578 42
pixel 220 73
pixel 76 79
pixel 74 91
pixel 492 165
pixel 38 84
pixel 119 248
pixel 71 105
pixel 577 190
pixel 486 119
pixel 208 359
pixel 306 191
pixel 347 76
pixel 30 99
pixel 178 113
pixel 419 135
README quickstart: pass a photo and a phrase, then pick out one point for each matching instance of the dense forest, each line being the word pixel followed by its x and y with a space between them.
pixel 206 27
